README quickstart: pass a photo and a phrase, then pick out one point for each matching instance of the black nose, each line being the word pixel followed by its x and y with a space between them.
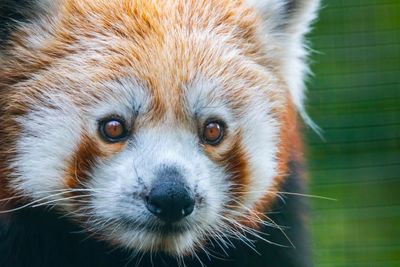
pixel 170 200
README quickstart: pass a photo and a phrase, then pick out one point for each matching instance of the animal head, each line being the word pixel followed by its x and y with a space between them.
pixel 155 125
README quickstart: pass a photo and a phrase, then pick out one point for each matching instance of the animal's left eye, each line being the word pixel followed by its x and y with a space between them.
pixel 213 132
pixel 113 130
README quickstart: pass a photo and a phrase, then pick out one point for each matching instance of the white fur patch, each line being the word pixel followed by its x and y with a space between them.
pixel 284 39
pixel 48 139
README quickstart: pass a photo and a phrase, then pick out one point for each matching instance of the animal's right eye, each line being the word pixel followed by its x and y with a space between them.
pixel 113 130
pixel 213 132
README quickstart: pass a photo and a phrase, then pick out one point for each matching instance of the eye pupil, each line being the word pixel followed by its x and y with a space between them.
pixel 213 133
pixel 113 130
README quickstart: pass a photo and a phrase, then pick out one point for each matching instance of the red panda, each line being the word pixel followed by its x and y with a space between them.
pixel 152 132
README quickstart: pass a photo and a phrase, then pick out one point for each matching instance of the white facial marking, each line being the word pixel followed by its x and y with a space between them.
pixel 48 139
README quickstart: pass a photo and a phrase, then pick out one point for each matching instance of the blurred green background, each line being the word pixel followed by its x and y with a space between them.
pixel 355 98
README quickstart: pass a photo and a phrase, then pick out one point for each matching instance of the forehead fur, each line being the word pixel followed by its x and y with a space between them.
pixel 163 44
pixel 133 33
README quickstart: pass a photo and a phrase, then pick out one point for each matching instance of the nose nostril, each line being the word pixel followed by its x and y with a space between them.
pixel 153 207
pixel 188 209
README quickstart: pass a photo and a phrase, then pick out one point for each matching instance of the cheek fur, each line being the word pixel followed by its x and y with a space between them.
pixel 289 150
pixel 83 161
pixel 9 132
pixel 235 162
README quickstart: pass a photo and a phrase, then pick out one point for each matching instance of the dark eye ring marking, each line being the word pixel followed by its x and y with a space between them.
pixel 213 132
pixel 113 130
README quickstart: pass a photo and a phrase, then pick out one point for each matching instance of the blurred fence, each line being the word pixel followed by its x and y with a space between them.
pixel 355 98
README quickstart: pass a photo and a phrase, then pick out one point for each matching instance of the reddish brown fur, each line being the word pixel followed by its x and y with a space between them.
pixel 82 162
pixel 9 132
pixel 235 162
pixel 90 151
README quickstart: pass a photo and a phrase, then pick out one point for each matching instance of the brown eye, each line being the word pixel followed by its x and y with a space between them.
pixel 113 130
pixel 213 133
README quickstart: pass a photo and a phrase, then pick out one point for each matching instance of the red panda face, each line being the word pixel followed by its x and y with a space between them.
pixel 155 126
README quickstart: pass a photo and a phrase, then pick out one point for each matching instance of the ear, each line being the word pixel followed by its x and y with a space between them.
pixel 285 23
pixel 13 12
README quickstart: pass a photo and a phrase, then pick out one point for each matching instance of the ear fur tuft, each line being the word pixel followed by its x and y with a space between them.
pixel 285 23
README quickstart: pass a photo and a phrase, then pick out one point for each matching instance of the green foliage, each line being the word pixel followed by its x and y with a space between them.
pixel 355 98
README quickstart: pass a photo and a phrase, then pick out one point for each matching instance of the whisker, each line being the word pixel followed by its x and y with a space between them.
pixel 57 192
pixel 32 203
pixel 304 195
pixel 254 231
pixel 58 200
pixel 282 192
